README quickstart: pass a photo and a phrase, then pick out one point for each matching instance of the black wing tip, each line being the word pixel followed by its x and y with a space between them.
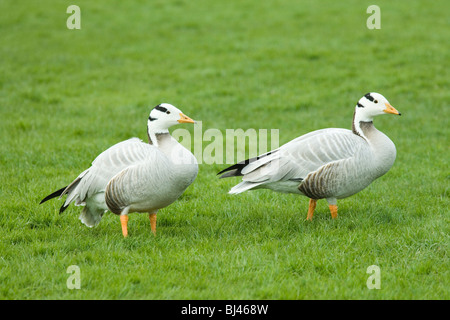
pixel 63 208
pixel 221 172
pixel 55 194
pixel 238 167
pixel 225 170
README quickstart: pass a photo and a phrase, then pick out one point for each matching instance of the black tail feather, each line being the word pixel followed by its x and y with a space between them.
pixel 53 195
pixel 240 165
pixel 63 208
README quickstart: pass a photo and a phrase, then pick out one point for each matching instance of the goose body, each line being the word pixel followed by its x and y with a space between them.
pixel 327 164
pixel 134 176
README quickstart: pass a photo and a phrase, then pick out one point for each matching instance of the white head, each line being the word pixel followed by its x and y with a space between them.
pixel 162 117
pixel 372 104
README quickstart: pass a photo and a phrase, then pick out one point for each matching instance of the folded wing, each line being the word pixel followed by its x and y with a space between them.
pixel 107 165
pixel 297 158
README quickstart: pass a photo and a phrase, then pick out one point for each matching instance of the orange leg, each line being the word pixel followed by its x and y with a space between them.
pixel 312 207
pixel 152 217
pixel 124 223
pixel 333 210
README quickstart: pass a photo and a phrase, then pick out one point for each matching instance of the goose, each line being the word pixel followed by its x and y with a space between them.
pixel 134 176
pixel 329 164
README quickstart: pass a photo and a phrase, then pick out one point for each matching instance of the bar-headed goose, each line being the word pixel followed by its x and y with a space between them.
pixel 326 164
pixel 134 176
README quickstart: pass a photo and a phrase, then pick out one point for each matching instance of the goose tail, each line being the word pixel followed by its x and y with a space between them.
pixel 91 217
pixel 55 194
pixel 66 190
pixel 244 186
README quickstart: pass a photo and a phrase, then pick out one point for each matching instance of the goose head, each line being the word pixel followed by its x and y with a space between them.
pixel 162 117
pixel 165 115
pixel 373 104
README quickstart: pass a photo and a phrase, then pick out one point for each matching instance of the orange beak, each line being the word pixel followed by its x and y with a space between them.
pixel 185 119
pixel 391 109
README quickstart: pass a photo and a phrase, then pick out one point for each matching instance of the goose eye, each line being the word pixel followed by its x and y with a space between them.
pixel 168 112
pixel 376 101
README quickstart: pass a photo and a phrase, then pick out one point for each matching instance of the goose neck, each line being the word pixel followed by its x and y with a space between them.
pixel 157 138
pixel 363 127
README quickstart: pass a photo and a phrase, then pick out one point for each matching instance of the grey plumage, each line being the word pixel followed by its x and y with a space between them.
pixel 134 176
pixel 324 164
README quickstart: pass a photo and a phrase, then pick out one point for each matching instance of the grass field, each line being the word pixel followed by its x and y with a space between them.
pixel 67 95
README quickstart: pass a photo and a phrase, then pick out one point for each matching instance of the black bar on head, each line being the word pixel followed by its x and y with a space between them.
pixel 160 108
pixel 369 97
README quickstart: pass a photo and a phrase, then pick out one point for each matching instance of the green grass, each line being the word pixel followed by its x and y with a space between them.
pixel 66 95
